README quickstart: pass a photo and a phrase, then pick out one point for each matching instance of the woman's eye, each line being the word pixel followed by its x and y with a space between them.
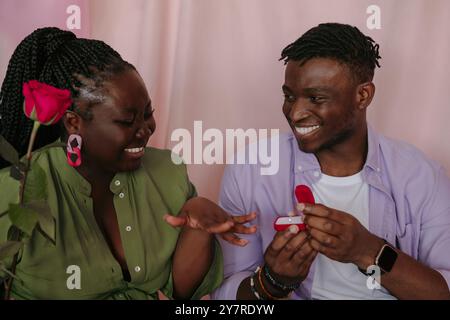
pixel 127 123
pixel 149 114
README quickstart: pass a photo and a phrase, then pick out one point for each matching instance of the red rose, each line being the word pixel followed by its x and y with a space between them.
pixel 44 103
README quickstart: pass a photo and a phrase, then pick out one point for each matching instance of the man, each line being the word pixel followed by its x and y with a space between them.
pixel 382 207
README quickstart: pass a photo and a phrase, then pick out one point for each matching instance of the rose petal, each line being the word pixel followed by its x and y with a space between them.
pixel 45 103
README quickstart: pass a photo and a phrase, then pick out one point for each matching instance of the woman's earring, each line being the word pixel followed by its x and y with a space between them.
pixel 74 150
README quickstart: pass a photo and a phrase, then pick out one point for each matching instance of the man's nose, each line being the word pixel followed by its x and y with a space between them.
pixel 299 111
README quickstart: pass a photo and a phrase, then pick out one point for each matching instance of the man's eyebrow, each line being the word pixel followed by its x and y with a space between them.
pixel 322 89
pixel 286 88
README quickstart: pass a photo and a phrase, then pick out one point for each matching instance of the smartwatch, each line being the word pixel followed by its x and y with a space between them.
pixel 385 259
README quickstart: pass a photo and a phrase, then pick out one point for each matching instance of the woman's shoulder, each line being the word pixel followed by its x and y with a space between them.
pixel 164 159
pixel 43 160
pixel 167 170
pixel 9 189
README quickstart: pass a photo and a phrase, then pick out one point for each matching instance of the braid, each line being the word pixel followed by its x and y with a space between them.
pixel 60 59
pixel 342 42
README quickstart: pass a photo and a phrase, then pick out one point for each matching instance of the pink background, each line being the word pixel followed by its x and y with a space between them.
pixel 216 61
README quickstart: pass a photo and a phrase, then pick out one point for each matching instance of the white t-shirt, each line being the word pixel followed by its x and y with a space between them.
pixel 333 279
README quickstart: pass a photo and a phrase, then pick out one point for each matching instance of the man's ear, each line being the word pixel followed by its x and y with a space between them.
pixel 365 93
pixel 72 122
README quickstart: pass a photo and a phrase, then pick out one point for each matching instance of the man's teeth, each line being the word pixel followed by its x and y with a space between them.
pixel 305 130
pixel 134 150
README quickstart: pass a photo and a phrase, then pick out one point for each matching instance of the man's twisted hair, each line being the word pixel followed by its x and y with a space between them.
pixel 341 42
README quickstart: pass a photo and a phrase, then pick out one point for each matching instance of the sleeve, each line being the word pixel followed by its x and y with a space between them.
pixel 9 193
pixel 214 277
pixel 191 191
pixel 434 242
pixel 211 281
pixel 215 273
pixel 9 190
pixel 239 262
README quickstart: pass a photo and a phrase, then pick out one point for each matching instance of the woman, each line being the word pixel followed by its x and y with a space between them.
pixel 110 203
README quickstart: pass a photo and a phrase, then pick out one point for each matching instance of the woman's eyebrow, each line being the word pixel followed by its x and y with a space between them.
pixel 132 109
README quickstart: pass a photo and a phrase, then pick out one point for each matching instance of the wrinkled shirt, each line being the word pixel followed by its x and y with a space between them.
pixel 409 205
pixel 141 198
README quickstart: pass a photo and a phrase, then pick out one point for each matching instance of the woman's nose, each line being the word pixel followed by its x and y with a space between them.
pixel 145 129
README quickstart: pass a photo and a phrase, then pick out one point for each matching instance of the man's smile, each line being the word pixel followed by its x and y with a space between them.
pixel 306 130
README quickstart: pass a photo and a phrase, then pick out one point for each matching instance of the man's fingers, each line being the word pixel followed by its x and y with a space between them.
pixel 324 238
pixel 292 246
pixel 175 221
pixel 306 265
pixel 301 254
pixel 233 239
pixel 321 211
pixel 281 238
pixel 323 224
pixel 316 245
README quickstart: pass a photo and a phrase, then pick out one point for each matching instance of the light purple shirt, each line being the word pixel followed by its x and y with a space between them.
pixel 409 205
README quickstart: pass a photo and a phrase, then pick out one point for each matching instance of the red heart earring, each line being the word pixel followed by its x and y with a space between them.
pixel 74 150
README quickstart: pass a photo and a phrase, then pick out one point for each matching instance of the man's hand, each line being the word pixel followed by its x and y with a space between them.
pixel 340 236
pixel 203 214
pixel 289 256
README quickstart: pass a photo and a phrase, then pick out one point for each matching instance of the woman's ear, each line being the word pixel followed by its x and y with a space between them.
pixel 365 94
pixel 72 122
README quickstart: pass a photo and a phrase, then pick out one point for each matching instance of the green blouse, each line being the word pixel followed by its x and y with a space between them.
pixel 141 198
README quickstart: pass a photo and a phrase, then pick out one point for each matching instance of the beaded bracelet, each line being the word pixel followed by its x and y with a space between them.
pixel 266 292
pixel 284 287
pixel 252 286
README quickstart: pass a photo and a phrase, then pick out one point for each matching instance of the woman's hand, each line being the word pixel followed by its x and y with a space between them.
pixel 201 213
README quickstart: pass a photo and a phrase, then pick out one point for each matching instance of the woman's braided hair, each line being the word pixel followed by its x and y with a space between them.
pixel 58 58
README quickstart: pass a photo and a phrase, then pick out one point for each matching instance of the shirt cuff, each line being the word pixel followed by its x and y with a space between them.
pixel 446 275
pixel 228 289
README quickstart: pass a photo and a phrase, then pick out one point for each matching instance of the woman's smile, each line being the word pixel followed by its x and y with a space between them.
pixel 135 153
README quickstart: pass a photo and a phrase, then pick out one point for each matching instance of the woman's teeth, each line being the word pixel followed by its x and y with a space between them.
pixel 306 130
pixel 134 150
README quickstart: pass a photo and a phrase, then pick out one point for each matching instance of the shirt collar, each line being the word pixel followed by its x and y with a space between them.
pixel 373 152
pixel 72 177
pixel 70 174
pixel 307 161
pixel 303 161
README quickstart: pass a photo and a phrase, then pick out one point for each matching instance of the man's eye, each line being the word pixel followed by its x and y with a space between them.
pixel 289 98
pixel 316 99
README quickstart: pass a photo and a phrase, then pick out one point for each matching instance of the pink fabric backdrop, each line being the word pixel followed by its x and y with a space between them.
pixel 216 61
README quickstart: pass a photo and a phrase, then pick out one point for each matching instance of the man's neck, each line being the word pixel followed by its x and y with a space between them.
pixel 346 158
